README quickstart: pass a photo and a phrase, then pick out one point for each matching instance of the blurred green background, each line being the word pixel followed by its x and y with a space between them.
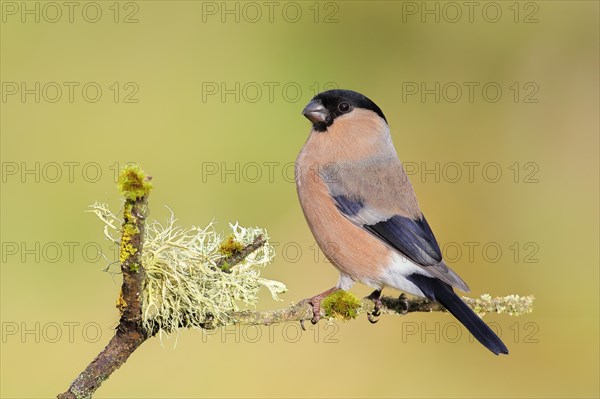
pixel 206 97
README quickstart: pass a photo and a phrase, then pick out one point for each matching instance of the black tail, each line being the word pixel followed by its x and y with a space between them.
pixel 437 290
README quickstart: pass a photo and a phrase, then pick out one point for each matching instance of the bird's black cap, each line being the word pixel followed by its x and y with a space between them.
pixel 325 107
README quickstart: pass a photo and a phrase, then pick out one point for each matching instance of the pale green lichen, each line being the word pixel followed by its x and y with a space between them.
pixel 133 183
pixel 513 305
pixel 184 286
pixel 341 305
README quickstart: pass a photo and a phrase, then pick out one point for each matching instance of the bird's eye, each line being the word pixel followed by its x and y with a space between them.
pixel 344 107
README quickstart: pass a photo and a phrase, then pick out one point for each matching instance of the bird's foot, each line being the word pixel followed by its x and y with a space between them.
pixel 315 302
pixel 375 296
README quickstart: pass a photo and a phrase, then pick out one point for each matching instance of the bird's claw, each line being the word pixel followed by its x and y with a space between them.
pixel 313 321
pixel 376 298
pixel 315 303
pixel 372 317
pixel 376 312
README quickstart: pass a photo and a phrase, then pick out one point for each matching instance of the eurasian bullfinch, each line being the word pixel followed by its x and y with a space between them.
pixel 363 212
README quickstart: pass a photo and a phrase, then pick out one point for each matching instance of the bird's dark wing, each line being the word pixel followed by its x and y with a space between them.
pixel 378 198
pixel 411 237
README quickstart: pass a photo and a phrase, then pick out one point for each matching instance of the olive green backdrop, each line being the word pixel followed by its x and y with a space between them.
pixel 492 106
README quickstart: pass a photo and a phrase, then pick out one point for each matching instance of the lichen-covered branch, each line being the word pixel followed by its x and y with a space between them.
pixel 236 257
pixel 131 332
pixel 135 187
pixel 513 304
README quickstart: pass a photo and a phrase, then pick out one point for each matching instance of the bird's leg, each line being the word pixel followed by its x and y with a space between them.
pixel 376 298
pixel 315 302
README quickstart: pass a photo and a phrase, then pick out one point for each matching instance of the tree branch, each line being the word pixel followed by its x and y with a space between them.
pixel 303 311
pixel 237 257
pixel 130 335
pixel 512 304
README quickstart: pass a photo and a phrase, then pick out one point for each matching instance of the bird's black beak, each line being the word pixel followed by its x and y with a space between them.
pixel 315 112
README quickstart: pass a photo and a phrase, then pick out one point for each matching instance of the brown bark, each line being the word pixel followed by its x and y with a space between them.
pixel 129 334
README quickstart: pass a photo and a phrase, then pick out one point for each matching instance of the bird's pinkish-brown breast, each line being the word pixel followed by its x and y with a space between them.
pixel 351 249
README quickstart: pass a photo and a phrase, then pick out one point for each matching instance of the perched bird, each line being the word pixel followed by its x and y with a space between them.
pixel 363 212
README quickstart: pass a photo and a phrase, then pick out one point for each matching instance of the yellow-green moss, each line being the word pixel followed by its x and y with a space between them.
pixel 230 246
pixel 341 305
pixel 226 267
pixel 133 183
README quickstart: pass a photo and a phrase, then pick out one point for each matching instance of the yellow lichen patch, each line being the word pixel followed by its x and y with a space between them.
pixel 230 246
pixel 127 249
pixel 341 305
pixel 127 215
pixel 121 304
pixel 133 183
